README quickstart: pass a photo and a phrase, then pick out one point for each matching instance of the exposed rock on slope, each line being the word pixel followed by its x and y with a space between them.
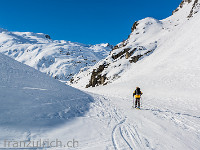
pixel 147 35
pixel 181 5
pixel 195 7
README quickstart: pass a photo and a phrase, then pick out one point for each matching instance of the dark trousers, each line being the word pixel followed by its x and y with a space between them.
pixel 137 102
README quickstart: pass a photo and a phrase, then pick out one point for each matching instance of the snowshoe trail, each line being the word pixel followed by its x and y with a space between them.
pixel 124 134
pixel 126 137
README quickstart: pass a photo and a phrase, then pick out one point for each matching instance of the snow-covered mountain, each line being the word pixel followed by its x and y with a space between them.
pixel 162 59
pixel 59 59
pixel 148 35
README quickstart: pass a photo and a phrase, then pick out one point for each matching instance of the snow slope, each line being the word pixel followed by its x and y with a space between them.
pixel 31 100
pixel 169 78
pixel 36 107
pixel 148 35
pixel 59 59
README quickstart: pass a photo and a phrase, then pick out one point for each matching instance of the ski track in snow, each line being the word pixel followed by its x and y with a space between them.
pixel 125 134
pixel 131 129
pixel 151 128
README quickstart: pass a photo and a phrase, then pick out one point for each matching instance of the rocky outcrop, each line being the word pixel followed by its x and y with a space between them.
pixel 134 59
pixel 125 53
pixel 115 56
pixel 181 5
pixel 47 36
pixel 193 9
pixel 195 4
pixel 177 9
pixel 122 44
pixel 97 78
pixel 134 26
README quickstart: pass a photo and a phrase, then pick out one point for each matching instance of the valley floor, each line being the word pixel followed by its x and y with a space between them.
pixel 112 123
pixel 119 126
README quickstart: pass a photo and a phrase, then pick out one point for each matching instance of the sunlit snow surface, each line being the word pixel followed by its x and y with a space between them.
pixel 103 117
pixel 59 59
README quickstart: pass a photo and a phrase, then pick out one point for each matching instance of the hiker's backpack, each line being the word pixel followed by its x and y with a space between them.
pixel 138 92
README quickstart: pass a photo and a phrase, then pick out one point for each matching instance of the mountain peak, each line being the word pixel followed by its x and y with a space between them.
pixel 148 36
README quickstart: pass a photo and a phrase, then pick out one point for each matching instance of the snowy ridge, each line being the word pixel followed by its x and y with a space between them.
pixel 59 59
pixel 147 36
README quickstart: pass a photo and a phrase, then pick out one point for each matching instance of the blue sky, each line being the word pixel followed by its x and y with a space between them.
pixel 84 21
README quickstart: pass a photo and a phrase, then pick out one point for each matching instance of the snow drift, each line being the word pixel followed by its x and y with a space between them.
pixel 30 99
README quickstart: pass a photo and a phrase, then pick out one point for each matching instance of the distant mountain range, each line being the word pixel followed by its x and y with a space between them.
pixel 59 59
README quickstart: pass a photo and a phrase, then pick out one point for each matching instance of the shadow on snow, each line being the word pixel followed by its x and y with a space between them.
pixel 31 99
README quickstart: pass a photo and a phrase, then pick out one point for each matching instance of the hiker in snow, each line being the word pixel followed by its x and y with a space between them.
pixel 137 93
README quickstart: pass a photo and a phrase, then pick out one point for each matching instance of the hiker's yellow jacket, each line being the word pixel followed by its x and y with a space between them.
pixel 137 96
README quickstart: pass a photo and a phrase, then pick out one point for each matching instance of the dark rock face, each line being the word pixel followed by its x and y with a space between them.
pixel 134 26
pixel 123 44
pixel 115 47
pixel 47 36
pixel 192 10
pixel 127 55
pixel 97 78
pixel 115 56
pixel 181 5
pixel 177 9
pixel 136 58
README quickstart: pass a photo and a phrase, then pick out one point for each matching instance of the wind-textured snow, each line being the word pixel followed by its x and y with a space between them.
pixel 31 100
pixel 59 59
